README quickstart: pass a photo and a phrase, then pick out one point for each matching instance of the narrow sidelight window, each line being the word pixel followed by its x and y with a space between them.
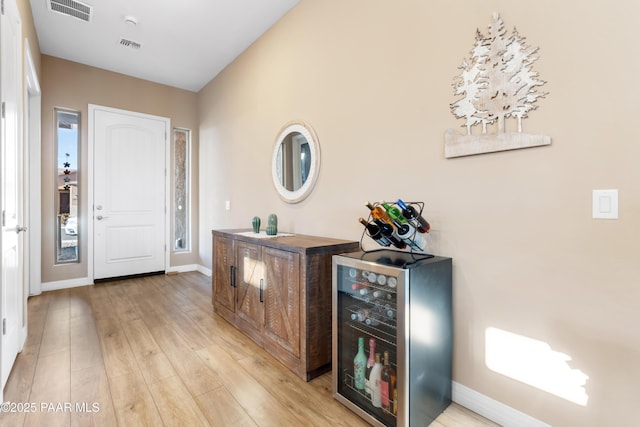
pixel 67 143
pixel 181 200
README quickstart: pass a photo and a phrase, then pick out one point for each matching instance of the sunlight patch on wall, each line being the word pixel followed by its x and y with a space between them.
pixel 534 363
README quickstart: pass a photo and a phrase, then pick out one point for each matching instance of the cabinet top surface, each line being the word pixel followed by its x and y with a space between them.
pixel 392 258
pixel 297 241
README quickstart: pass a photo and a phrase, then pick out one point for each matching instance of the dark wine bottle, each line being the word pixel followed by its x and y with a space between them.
pixel 387 383
pixel 414 217
pixel 374 232
pixel 390 232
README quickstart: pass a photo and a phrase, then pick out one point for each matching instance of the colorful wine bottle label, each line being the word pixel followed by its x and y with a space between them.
pixel 359 365
pixel 359 375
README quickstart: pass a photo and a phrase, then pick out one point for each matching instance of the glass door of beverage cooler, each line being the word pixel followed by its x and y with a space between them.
pixel 366 308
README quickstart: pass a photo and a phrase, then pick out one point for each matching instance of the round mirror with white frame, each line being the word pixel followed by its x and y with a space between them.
pixel 296 161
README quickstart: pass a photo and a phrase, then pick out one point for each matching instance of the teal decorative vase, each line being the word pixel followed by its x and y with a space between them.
pixel 255 222
pixel 272 225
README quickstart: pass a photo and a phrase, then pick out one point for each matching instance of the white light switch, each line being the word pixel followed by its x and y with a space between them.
pixel 227 205
pixel 605 204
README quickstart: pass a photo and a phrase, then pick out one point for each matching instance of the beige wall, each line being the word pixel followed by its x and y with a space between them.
pixel 73 86
pixel 374 80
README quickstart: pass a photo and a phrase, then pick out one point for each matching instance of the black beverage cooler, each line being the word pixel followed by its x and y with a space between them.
pixel 402 301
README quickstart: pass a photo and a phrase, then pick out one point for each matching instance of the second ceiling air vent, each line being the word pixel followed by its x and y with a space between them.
pixel 71 8
pixel 130 43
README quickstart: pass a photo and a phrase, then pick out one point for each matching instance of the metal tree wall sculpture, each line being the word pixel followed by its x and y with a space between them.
pixel 496 82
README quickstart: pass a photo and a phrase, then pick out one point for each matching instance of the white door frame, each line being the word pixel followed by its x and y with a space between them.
pixel 90 202
pixel 33 186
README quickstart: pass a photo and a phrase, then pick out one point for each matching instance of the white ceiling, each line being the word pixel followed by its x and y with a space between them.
pixel 184 43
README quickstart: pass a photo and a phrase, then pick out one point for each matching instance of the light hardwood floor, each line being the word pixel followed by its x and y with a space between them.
pixel 150 351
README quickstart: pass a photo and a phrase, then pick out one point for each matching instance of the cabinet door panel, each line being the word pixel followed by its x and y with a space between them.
pixel 282 299
pixel 249 273
pixel 224 295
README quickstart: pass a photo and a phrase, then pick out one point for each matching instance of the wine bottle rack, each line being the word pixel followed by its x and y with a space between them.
pixel 381 320
pixel 378 334
pixel 409 248
pixel 349 381
pixel 381 325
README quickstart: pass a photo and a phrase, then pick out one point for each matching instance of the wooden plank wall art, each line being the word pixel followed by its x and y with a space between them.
pixel 498 87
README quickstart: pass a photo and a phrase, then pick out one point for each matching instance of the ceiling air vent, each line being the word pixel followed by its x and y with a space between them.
pixel 72 8
pixel 130 43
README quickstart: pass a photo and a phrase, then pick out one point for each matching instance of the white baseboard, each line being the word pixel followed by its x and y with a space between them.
pixel 204 270
pixel 65 284
pixel 84 281
pixel 492 409
pixel 190 267
pixel 182 268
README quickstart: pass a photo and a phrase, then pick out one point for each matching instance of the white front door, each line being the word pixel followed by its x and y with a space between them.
pixel 129 177
pixel 11 188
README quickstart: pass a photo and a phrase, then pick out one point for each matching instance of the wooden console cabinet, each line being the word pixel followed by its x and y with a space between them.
pixel 277 291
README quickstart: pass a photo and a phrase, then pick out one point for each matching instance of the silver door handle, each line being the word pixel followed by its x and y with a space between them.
pixel 100 217
pixel 19 229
